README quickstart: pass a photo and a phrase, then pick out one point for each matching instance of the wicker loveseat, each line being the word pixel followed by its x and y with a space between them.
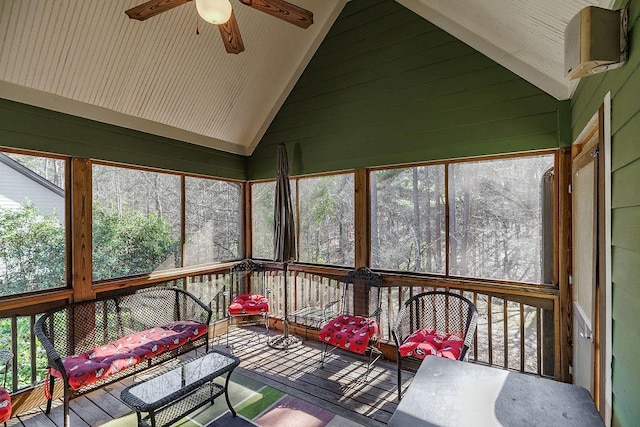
pixel 93 343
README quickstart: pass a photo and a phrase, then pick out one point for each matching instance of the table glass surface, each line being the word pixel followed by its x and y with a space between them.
pixel 201 369
pixel 5 357
pixel 452 393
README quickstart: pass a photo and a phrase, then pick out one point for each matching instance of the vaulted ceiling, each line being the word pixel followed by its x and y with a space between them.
pixel 87 58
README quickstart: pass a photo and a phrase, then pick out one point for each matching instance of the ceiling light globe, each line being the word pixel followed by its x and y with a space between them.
pixel 214 11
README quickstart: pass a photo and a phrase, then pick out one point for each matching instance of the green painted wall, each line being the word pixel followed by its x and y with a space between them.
pixel 624 84
pixel 25 126
pixel 386 87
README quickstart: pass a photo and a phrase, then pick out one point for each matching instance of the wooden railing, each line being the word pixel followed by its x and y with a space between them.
pixel 517 324
pixel 517 329
pixel 17 316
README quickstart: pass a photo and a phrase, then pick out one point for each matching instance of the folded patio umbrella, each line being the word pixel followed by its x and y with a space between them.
pixel 284 241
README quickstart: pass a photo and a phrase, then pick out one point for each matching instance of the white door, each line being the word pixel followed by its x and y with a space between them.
pixel 584 266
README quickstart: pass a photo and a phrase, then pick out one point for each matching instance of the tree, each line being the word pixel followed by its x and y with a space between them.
pixel 128 242
pixel 32 250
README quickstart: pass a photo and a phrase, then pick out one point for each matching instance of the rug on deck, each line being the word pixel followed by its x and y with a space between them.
pixel 256 405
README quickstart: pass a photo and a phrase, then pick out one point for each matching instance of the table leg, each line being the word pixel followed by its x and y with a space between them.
pixel 226 394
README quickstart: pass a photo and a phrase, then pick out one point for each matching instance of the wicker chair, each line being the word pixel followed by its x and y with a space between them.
pixel 248 295
pixel 356 327
pixel 433 323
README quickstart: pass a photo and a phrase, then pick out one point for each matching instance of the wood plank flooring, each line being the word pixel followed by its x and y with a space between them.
pixel 338 387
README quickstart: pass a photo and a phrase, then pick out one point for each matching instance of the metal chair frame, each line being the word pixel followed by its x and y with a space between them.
pixel 350 306
pixel 245 270
pixel 439 310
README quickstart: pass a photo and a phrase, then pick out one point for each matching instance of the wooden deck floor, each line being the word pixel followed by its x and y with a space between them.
pixel 337 387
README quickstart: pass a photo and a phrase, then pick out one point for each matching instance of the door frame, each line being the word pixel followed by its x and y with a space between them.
pixel 602 324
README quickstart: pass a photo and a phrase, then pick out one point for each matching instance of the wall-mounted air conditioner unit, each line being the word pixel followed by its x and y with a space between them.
pixel 595 40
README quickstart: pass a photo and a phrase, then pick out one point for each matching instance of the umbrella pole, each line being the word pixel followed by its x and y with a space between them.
pixel 285 341
pixel 285 326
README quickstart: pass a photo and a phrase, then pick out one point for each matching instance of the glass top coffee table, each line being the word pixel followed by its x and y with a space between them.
pixel 172 394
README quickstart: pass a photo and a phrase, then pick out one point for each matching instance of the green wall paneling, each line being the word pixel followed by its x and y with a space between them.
pixel 625 185
pixel 372 97
pixel 625 231
pixel 28 127
pixel 627 147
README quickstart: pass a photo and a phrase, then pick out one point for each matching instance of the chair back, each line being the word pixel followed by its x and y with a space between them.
pixel 361 293
pixel 247 277
pixel 438 310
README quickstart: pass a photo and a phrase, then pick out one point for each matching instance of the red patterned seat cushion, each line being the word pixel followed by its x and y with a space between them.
pixel 249 304
pixel 428 342
pixel 351 333
pixel 5 405
pixel 93 365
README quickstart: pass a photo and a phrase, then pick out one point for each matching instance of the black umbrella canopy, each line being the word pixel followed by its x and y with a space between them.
pixel 284 239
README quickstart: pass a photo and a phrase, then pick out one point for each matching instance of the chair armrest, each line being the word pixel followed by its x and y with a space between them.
pixel 399 330
pixel 55 360
pixel 327 306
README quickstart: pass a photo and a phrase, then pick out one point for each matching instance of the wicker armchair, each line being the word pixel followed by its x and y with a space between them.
pixel 356 327
pixel 433 323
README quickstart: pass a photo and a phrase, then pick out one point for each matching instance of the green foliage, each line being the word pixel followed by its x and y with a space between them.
pixel 23 333
pixel 32 251
pixel 128 242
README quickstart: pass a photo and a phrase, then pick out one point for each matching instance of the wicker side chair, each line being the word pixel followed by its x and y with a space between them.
pixel 356 328
pixel 433 323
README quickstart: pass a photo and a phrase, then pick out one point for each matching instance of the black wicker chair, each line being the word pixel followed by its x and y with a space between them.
pixel 433 323
pixel 356 327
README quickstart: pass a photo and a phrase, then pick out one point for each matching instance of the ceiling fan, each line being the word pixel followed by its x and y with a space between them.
pixel 220 12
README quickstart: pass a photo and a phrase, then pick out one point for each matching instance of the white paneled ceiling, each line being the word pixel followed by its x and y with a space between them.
pixel 87 58
pixel 524 36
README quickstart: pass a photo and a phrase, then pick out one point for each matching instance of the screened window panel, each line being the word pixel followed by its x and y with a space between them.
pixel 408 219
pixel 496 218
pixel 326 219
pixel 213 224
pixel 262 200
pixel 32 223
pixel 136 221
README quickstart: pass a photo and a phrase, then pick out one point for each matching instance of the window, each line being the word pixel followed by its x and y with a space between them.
pixel 32 223
pixel 496 223
pixel 496 218
pixel 212 221
pixel 326 219
pixel 262 199
pixel 136 221
pixel 408 219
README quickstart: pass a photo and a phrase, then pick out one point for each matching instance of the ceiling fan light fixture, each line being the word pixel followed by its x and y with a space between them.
pixel 214 11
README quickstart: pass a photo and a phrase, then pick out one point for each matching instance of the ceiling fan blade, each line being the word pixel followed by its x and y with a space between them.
pixel 152 8
pixel 231 37
pixel 281 9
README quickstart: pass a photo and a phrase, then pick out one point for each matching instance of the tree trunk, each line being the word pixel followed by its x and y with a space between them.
pixel 416 220
pixel 375 238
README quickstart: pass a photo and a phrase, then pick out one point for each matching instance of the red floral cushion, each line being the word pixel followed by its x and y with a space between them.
pixel 351 333
pixel 249 304
pixel 93 365
pixel 428 342
pixel 5 405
